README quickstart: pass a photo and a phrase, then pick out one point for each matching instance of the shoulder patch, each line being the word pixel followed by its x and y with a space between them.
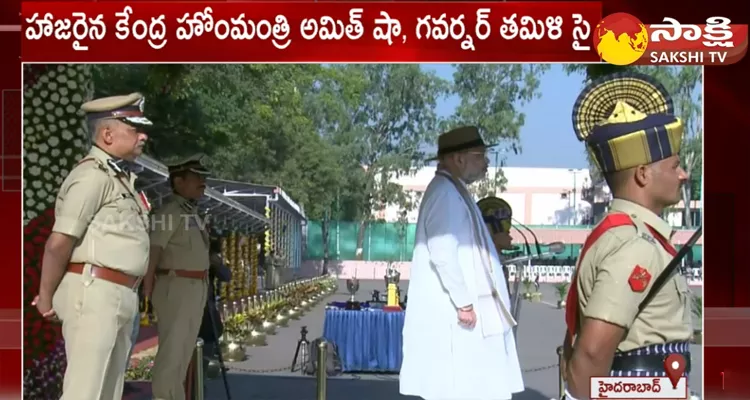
pixel 639 279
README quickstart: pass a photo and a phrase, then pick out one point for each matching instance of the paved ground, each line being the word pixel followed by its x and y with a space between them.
pixel 262 375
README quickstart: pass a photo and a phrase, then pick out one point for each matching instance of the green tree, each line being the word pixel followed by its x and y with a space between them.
pixel 251 120
pixel 380 116
pixel 683 84
pixel 490 97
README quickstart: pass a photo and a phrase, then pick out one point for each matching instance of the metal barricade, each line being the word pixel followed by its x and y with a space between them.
pixel 194 379
pixel 560 372
pixel 322 373
pixel 198 361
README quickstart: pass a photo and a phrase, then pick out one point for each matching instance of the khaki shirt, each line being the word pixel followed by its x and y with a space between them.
pixel 603 282
pixel 100 207
pixel 180 232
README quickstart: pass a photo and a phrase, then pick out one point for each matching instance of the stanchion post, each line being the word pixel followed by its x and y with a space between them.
pixel 198 363
pixel 560 372
pixel 321 370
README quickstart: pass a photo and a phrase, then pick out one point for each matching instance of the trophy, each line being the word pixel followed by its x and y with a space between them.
pixel 352 285
pixel 392 277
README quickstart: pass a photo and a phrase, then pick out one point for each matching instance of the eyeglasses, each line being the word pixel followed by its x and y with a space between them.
pixel 482 154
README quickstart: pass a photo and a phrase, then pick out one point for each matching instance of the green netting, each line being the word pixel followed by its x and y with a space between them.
pixel 385 242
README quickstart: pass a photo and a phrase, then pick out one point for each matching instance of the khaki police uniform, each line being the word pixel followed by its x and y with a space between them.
pixel 96 300
pixel 606 291
pixel 180 289
pixel 627 120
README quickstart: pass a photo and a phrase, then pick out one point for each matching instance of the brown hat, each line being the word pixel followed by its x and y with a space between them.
pixel 459 139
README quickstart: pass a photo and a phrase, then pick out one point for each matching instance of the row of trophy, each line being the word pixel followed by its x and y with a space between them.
pixel 249 320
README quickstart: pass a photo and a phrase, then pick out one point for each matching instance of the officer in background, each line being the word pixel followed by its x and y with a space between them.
pixel 98 251
pixel 497 215
pixel 178 276
pixel 627 122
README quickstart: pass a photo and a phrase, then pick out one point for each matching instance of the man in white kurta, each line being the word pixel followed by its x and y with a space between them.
pixel 454 268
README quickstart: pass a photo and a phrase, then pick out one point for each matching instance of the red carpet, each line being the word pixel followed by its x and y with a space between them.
pixel 146 339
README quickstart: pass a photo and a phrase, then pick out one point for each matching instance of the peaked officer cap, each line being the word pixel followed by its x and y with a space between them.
pixel 193 163
pixel 127 108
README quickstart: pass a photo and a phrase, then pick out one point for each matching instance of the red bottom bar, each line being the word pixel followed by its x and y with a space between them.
pixel 726 373
pixel 10 374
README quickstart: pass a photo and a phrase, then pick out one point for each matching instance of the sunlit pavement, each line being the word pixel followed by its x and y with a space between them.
pixel 541 329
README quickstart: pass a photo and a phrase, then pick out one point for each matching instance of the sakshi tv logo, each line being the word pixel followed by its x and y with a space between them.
pixel 622 39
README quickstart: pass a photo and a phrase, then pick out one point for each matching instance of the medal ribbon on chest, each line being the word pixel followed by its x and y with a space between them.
pixel 144 200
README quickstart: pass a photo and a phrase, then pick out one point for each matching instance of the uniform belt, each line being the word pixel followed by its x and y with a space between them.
pixel 649 360
pixel 107 274
pixel 183 273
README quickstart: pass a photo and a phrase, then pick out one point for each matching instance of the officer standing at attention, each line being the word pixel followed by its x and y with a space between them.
pixel 627 122
pixel 98 251
pixel 178 276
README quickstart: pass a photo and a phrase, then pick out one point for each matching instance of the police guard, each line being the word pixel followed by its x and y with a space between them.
pixel 497 215
pixel 98 251
pixel 179 262
pixel 627 122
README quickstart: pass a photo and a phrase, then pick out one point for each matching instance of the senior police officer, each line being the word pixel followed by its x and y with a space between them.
pixel 179 264
pixel 98 251
pixel 627 122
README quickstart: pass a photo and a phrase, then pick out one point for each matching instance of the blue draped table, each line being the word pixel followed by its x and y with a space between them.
pixel 368 340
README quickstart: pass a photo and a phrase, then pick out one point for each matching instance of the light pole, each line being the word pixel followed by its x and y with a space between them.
pixel 575 172
pixel 494 175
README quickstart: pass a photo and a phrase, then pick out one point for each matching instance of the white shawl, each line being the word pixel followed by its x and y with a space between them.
pixel 495 317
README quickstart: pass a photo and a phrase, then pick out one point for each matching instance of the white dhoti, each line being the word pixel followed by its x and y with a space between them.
pixel 443 360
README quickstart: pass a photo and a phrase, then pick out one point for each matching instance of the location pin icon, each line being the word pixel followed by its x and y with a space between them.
pixel 674 366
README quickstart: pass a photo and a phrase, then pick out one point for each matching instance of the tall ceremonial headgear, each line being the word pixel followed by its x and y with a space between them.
pixel 626 120
pixel 496 213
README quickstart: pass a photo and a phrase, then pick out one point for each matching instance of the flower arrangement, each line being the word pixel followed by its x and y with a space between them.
pixel 236 328
pixel 55 139
pixel 54 132
pixel 44 379
pixel 40 336
pixel 140 369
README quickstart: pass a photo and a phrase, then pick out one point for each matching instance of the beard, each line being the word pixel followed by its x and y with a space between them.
pixel 471 177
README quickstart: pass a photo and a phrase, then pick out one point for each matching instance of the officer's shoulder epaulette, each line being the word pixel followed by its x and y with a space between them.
pixel 187 207
pixel 622 232
pixel 92 161
pixel 640 230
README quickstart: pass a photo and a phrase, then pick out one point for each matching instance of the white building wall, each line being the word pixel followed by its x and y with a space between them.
pixel 533 193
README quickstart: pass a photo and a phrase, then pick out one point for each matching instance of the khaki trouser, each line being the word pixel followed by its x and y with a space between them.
pixel 178 303
pixel 97 320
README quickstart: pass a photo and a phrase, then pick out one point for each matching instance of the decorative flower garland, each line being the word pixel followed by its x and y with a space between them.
pixel 44 380
pixel 55 135
pixel 55 139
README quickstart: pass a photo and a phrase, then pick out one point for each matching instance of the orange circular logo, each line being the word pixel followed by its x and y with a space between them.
pixel 620 39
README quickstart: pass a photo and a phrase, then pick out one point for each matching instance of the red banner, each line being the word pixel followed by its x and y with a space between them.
pixel 300 32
